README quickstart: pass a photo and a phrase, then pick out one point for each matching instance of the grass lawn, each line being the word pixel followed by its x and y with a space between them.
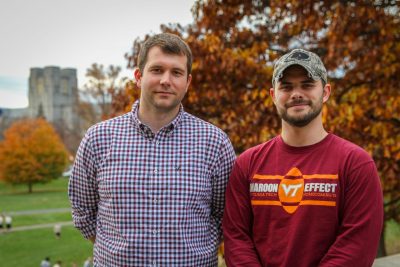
pixel 44 196
pixel 28 248
pixel 392 235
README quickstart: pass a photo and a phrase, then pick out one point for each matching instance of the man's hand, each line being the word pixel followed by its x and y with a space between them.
pixel 92 239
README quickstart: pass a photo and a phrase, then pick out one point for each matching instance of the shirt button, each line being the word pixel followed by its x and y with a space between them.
pixel 155 200
pixel 155 170
pixel 155 232
pixel 154 263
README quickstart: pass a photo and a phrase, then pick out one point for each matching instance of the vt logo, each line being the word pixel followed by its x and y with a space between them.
pixel 291 190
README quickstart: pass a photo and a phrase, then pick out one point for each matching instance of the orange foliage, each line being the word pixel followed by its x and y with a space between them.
pixel 31 152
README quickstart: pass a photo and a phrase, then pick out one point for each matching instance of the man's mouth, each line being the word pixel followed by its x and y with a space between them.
pixel 164 93
pixel 297 103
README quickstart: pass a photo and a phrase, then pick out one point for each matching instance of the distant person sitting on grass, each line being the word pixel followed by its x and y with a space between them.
pixel 1 222
pixel 45 262
pixel 88 262
pixel 8 221
pixel 57 230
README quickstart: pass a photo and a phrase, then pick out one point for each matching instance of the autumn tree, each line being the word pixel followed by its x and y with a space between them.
pixel 236 42
pixel 30 153
pixel 104 85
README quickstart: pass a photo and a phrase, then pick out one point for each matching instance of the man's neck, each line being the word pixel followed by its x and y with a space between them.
pixel 310 134
pixel 156 119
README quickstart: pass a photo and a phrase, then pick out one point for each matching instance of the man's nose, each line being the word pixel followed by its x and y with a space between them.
pixel 296 92
pixel 165 78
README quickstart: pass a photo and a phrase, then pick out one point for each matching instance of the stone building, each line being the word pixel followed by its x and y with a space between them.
pixel 53 94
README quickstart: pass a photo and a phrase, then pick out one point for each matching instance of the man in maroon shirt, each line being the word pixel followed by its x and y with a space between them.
pixel 307 197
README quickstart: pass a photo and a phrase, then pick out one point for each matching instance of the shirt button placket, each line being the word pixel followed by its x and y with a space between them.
pixel 156 172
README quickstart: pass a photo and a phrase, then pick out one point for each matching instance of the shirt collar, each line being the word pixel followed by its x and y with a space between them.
pixel 172 125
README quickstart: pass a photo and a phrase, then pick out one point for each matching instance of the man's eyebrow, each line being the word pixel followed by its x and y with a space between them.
pixel 309 80
pixel 155 66
pixel 285 82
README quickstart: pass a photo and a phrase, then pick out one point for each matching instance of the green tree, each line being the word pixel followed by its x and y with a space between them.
pixel 30 153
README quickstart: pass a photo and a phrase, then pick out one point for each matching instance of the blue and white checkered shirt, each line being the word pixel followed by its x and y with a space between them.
pixel 152 199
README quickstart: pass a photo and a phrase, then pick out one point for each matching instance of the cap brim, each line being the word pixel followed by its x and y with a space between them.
pixel 307 68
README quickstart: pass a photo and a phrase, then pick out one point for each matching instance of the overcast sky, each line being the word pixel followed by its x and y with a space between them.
pixel 74 34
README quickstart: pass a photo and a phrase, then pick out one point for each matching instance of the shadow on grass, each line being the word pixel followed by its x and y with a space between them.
pixel 54 186
pixel 38 191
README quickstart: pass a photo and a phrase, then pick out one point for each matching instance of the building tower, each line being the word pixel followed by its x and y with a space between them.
pixel 53 95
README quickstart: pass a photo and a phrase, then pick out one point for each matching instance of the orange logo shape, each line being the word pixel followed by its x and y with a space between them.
pixel 291 190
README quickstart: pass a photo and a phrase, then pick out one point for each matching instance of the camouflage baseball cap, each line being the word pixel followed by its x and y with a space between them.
pixel 308 60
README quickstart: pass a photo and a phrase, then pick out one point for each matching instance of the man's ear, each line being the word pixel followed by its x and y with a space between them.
pixel 272 93
pixel 189 79
pixel 138 76
pixel 327 92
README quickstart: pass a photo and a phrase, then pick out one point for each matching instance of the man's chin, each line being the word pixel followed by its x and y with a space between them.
pixel 297 123
pixel 166 105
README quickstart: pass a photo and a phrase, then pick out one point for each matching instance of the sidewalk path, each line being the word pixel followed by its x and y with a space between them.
pixel 39 226
pixel 389 261
pixel 30 212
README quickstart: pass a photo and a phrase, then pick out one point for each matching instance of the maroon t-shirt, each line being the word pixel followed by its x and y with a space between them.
pixel 318 205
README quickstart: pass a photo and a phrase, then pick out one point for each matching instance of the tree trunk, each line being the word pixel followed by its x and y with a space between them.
pixel 30 187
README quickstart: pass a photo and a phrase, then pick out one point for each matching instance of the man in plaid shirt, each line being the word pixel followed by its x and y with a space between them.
pixel 148 187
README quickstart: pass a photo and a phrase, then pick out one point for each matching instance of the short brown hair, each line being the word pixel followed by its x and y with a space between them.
pixel 170 44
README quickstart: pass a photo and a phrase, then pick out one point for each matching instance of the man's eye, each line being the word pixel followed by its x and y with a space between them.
pixel 177 73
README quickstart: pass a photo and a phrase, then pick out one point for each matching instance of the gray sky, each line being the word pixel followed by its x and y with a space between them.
pixel 74 33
